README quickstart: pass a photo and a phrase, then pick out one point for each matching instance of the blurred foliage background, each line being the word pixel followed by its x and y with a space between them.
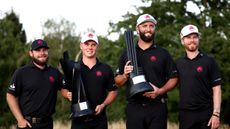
pixel 212 19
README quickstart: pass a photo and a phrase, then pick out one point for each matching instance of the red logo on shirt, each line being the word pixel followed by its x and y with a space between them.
pixel 99 73
pixel 51 78
pixel 153 58
pixel 199 69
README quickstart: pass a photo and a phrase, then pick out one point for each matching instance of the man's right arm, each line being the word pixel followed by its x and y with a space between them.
pixel 121 79
pixel 14 107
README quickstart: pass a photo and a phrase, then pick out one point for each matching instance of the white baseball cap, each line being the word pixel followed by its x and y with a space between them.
pixel 89 36
pixel 145 18
pixel 189 29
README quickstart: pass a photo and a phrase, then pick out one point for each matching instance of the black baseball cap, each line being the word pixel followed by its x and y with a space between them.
pixel 39 43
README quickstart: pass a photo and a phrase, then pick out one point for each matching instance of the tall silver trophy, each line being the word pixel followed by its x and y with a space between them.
pixel 138 81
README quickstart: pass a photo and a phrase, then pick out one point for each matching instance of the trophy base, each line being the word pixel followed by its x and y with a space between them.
pixel 81 109
pixel 139 86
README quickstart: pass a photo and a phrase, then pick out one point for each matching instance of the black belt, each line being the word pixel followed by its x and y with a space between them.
pixel 36 120
pixel 149 101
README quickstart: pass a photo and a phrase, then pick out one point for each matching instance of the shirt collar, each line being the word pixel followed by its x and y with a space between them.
pixel 153 46
pixel 32 65
pixel 200 54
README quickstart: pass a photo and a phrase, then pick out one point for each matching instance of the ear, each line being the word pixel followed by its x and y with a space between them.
pixel 137 30
pixel 31 53
pixel 182 41
pixel 80 46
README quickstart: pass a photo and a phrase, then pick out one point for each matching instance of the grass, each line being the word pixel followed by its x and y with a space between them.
pixel 115 125
pixel 121 125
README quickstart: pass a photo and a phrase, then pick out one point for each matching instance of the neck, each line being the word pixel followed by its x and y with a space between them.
pixel 90 62
pixel 39 66
pixel 192 54
pixel 143 45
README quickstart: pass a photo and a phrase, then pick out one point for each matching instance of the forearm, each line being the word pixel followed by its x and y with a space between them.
pixel 170 84
pixel 14 107
pixel 120 80
pixel 216 99
pixel 110 98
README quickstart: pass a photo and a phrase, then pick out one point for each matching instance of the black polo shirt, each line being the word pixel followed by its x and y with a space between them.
pixel 156 63
pixel 197 78
pixel 36 89
pixel 97 82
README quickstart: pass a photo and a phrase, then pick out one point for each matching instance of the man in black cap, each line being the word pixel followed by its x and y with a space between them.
pixel 33 88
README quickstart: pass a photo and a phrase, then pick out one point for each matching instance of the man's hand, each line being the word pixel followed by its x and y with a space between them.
pixel 153 94
pixel 214 122
pixel 69 96
pixel 99 108
pixel 128 68
pixel 24 123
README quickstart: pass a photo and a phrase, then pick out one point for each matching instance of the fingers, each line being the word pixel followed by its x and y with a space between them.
pixel 128 68
pixel 150 94
pixel 99 108
pixel 28 123
pixel 69 96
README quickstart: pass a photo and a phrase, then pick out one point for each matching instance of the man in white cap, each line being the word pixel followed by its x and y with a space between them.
pixel 148 110
pixel 200 84
pixel 98 80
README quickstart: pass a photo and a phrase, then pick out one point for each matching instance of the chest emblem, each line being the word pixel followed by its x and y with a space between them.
pixel 153 58
pixel 51 78
pixel 98 73
pixel 199 69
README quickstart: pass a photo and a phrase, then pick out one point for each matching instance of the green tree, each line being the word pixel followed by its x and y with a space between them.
pixel 13 54
pixel 213 22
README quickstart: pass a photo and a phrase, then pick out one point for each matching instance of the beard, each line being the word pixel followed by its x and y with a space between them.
pixel 39 62
pixel 191 48
pixel 147 39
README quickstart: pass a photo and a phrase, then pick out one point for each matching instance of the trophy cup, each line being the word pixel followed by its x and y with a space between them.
pixel 80 105
pixel 138 82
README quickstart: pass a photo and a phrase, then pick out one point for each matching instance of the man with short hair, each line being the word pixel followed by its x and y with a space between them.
pixel 98 82
pixel 33 88
pixel 148 110
pixel 200 84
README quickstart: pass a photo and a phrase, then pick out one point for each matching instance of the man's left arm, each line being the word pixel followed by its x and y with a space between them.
pixel 111 96
pixel 214 121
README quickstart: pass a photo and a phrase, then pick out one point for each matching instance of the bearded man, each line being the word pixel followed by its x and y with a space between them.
pixel 32 92
pixel 200 84
pixel 148 110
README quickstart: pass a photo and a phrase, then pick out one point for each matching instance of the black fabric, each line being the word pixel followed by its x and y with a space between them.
pixel 36 89
pixel 194 119
pixel 94 122
pixel 157 66
pixel 197 78
pixel 43 125
pixel 147 115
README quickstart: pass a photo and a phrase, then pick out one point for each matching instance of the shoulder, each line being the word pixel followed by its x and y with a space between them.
pixel 53 69
pixel 208 57
pixel 164 50
pixel 23 68
pixel 104 65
